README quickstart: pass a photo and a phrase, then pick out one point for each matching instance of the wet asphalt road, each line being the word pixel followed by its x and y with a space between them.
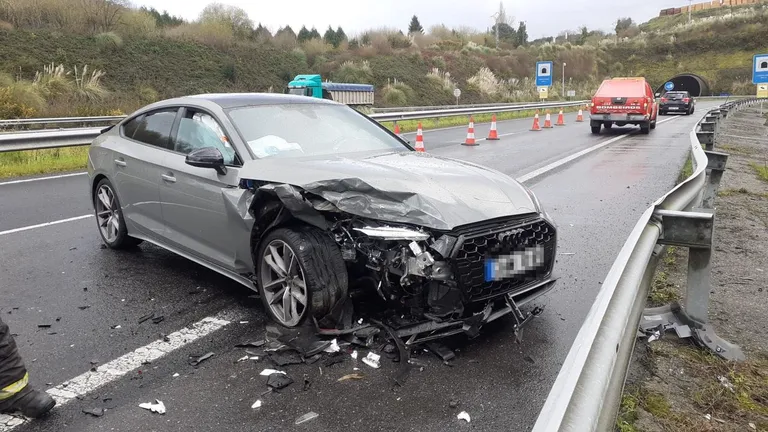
pixel 61 272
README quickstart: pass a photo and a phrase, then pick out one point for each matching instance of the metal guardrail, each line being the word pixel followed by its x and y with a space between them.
pixel 587 391
pixel 59 120
pixel 444 107
pixel 39 139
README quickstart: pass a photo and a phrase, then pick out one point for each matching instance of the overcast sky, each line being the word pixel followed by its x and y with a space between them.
pixel 543 18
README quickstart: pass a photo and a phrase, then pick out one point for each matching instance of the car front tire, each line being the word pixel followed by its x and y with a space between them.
pixel 300 272
pixel 109 217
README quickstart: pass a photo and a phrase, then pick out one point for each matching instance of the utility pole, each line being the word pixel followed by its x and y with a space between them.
pixel 690 9
pixel 564 80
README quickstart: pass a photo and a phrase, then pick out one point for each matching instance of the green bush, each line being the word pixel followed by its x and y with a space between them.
pixel 147 94
pixel 395 97
pixel 109 40
pixel 354 72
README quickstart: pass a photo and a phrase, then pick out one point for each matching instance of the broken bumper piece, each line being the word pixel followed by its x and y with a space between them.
pixel 432 330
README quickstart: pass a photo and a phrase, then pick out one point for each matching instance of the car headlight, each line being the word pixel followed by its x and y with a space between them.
pixel 393 233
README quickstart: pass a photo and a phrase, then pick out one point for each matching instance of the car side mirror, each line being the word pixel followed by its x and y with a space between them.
pixel 207 157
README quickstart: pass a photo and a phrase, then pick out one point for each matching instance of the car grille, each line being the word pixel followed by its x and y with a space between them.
pixel 489 239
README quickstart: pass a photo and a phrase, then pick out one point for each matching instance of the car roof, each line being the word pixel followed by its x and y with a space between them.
pixel 235 100
pixel 616 86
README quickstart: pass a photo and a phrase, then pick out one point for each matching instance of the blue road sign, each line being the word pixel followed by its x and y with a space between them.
pixel 760 69
pixel 669 86
pixel 544 73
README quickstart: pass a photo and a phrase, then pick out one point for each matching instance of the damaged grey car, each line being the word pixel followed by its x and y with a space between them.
pixel 321 210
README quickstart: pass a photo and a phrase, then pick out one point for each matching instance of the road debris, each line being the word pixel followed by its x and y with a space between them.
pixel 307 417
pixel 157 407
pixel 441 350
pixel 351 377
pixel 84 307
pixel 333 359
pixel 372 360
pixel 44 325
pixel 726 383
pixel 529 359
pixel 453 403
pixel 176 375
pixel 242 359
pixel 96 412
pixel 279 381
pixel 202 358
pixel 354 354
pixel 333 347
pixel 146 317
pixel 254 344
pixel 463 416
pixel 752 426
pixel 158 319
pixel 256 404
pixel 307 383
pixel 268 372
pixel 115 327
pixel 284 358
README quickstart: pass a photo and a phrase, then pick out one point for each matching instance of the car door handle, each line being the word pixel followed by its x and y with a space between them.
pixel 169 178
pixel 120 162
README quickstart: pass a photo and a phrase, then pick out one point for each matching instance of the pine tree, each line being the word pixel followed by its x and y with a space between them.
pixel 330 37
pixel 415 26
pixel 304 34
pixel 340 35
pixel 314 34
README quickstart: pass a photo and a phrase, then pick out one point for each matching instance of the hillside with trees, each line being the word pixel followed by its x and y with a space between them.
pixel 91 57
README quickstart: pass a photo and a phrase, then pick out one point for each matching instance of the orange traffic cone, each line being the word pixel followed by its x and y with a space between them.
pixel 560 119
pixel 419 139
pixel 397 129
pixel 493 134
pixel 470 134
pixel 536 126
pixel 547 121
pixel 580 116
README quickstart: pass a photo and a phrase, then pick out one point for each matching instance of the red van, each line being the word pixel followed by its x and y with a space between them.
pixel 623 101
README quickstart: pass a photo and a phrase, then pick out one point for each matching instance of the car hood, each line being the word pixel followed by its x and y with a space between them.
pixel 406 187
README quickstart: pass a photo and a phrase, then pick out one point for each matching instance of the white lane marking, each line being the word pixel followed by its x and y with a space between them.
pixel 26 228
pixel 42 178
pixel 81 385
pixel 533 174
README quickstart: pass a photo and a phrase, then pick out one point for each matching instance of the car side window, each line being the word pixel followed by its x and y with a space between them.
pixel 154 128
pixel 199 129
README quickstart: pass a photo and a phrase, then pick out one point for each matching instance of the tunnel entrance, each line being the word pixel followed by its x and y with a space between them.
pixel 692 83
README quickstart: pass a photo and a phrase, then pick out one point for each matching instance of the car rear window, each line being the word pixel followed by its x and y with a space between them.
pixel 675 96
pixel 295 130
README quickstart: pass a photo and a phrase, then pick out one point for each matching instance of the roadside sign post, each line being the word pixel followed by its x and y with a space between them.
pixel 544 77
pixel 456 94
pixel 760 76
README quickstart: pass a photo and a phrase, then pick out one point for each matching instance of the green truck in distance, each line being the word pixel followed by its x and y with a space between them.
pixel 348 94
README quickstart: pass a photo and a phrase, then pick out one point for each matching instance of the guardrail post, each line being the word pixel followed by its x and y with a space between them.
pixel 706 138
pixel 715 169
pixel 693 230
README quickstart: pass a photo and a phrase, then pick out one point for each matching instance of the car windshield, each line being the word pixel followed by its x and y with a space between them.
pixel 675 96
pixel 295 130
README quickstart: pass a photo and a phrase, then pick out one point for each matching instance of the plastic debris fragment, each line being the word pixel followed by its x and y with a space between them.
pixel 96 412
pixel 372 360
pixel 307 417
pixel 202 358
pixel 463 416
pixel 268 372
pixel 354 354
pixel 256 404
pixel 279 381
pixel 158 406
pixel 334 347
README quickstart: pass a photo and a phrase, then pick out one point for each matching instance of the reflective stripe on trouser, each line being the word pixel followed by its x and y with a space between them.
pixel 11 390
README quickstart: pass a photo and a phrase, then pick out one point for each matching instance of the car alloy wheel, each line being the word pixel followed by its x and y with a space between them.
pixel 283 283
pixel 107 213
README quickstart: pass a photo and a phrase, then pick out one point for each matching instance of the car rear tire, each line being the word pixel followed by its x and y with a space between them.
pixel 109 217
pixel 300 272
pixel 645 128
pixel 595 125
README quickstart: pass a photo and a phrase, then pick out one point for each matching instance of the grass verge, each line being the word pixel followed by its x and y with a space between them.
pixel 761 170
pixel 31 162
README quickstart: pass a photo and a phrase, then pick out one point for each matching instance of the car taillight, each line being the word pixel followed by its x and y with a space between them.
pixel 686 100
pixel 663 99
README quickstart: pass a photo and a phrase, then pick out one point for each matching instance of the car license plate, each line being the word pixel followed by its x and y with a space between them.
pixel 514 264
pixel 673 108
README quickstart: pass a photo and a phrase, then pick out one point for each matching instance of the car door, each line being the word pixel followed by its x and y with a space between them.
pixel 138 162
pixel 193 201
